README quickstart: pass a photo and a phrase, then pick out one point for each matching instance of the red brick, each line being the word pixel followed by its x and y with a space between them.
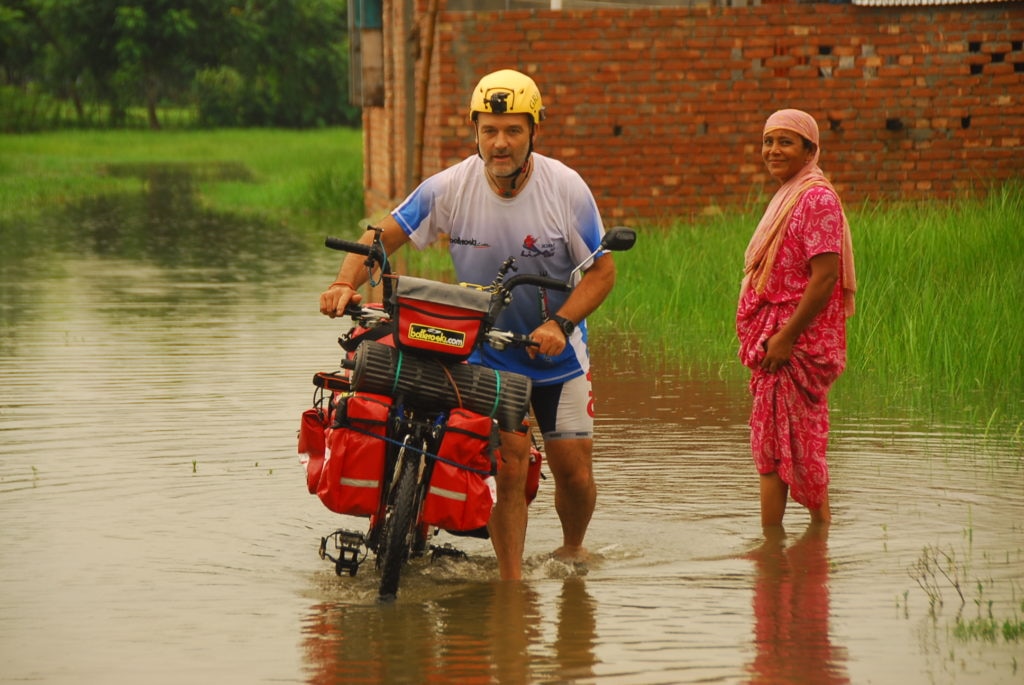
pixel 696 83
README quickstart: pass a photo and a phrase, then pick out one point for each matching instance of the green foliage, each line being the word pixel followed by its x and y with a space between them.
pixel 26 109
pixel 937 570
pixel 219 93
pixel 273 63
pixel 281 172
pixel 336 189
pixel 295 64
pixel 939 307
pixel 679 285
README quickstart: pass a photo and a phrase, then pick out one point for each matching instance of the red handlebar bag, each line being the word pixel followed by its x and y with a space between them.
pixel 356 452
pixel 460 495
pixel 439 318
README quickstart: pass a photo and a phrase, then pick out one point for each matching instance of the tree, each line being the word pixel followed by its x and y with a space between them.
pixel 276 62
pixel 294 60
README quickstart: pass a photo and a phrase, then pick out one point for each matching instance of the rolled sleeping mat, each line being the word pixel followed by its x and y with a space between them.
pixel 501 395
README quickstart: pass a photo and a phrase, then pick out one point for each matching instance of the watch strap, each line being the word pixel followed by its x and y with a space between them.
pixel 564 324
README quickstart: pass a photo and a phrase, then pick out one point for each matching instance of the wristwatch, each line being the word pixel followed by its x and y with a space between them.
pixel 563 323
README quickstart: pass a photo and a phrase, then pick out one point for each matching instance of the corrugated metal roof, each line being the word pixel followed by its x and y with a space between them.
pixel 921 3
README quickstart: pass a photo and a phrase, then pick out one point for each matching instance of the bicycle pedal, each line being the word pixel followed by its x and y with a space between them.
pixel 350 547
pixel 446 550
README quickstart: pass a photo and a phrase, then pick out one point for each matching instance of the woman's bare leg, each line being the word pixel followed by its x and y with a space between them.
pixel 774 493
pixel 823 514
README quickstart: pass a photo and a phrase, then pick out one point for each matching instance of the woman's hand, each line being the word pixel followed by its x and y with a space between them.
pixel 777 351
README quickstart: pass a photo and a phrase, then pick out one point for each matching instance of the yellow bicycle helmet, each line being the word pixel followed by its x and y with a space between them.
pixel 507 92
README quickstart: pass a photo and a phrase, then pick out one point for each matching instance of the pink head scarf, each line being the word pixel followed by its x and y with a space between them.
pixel 764 244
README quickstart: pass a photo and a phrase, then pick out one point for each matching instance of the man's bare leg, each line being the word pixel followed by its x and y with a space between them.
pixel 507 526
pixel 571 464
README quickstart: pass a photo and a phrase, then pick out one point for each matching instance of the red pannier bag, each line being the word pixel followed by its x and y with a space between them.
pixel 461 491
pixel 312 445
pixel 356 452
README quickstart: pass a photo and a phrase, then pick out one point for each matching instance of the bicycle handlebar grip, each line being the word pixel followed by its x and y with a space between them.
pixel 529 342
pixel 540 281
pixel 523 340
pixel 346 246
pixel 353 310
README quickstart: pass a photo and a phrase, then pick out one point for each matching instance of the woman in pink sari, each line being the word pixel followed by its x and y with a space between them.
pixel 797 291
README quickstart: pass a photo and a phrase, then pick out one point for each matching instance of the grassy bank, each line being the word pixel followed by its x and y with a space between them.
pixel 939 329
pixel 280 173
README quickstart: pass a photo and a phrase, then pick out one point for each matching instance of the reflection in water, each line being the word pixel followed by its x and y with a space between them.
pixel 488 633
pixel 156 248
pixel 166 224
pixel 577 631
pixel 791 611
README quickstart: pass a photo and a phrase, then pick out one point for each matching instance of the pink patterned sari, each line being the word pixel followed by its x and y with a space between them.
pixel 789 419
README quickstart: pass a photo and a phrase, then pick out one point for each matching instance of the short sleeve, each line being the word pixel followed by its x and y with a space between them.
pixel 822 222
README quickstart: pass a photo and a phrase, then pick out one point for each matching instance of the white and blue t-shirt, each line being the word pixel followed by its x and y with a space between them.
pixel 551 226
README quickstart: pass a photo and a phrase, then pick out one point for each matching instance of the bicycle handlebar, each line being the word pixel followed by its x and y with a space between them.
pixel 495 338
pixel 540 281
pixel 347 246
pixel 357 311
pixel 499 340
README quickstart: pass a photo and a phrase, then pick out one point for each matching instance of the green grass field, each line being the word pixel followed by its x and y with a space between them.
pixel 939 329
pixel 288 172
pixel 939 326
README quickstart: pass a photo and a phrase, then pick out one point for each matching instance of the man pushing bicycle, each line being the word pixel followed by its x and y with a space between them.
pixel 507 200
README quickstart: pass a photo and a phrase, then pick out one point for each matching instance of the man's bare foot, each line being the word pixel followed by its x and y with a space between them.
pixel 571 555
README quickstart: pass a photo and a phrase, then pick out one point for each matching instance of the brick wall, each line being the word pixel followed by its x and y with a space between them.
pixel 661 109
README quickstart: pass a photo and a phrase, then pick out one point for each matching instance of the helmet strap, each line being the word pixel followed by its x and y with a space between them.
pixel 520 175
pixel 522 169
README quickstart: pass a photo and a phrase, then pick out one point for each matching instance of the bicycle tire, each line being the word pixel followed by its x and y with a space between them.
pixel 399 529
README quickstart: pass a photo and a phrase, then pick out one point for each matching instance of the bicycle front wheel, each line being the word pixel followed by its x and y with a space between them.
pixel 400 527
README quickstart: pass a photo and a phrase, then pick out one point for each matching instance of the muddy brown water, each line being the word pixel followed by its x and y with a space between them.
pixel 156 526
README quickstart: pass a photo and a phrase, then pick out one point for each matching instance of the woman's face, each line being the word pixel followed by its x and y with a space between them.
pixel 785 153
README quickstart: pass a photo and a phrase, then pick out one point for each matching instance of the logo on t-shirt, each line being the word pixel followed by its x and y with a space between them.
pixel 532 248
pixel 471 242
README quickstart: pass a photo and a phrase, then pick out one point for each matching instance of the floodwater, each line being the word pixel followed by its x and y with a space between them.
pixel 154 361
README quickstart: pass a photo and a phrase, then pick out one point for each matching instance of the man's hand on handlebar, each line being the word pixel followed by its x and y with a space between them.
pixel 549 338
pixel 337 296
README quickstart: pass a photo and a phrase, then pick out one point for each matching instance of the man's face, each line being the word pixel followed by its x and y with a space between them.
pixel 503 141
